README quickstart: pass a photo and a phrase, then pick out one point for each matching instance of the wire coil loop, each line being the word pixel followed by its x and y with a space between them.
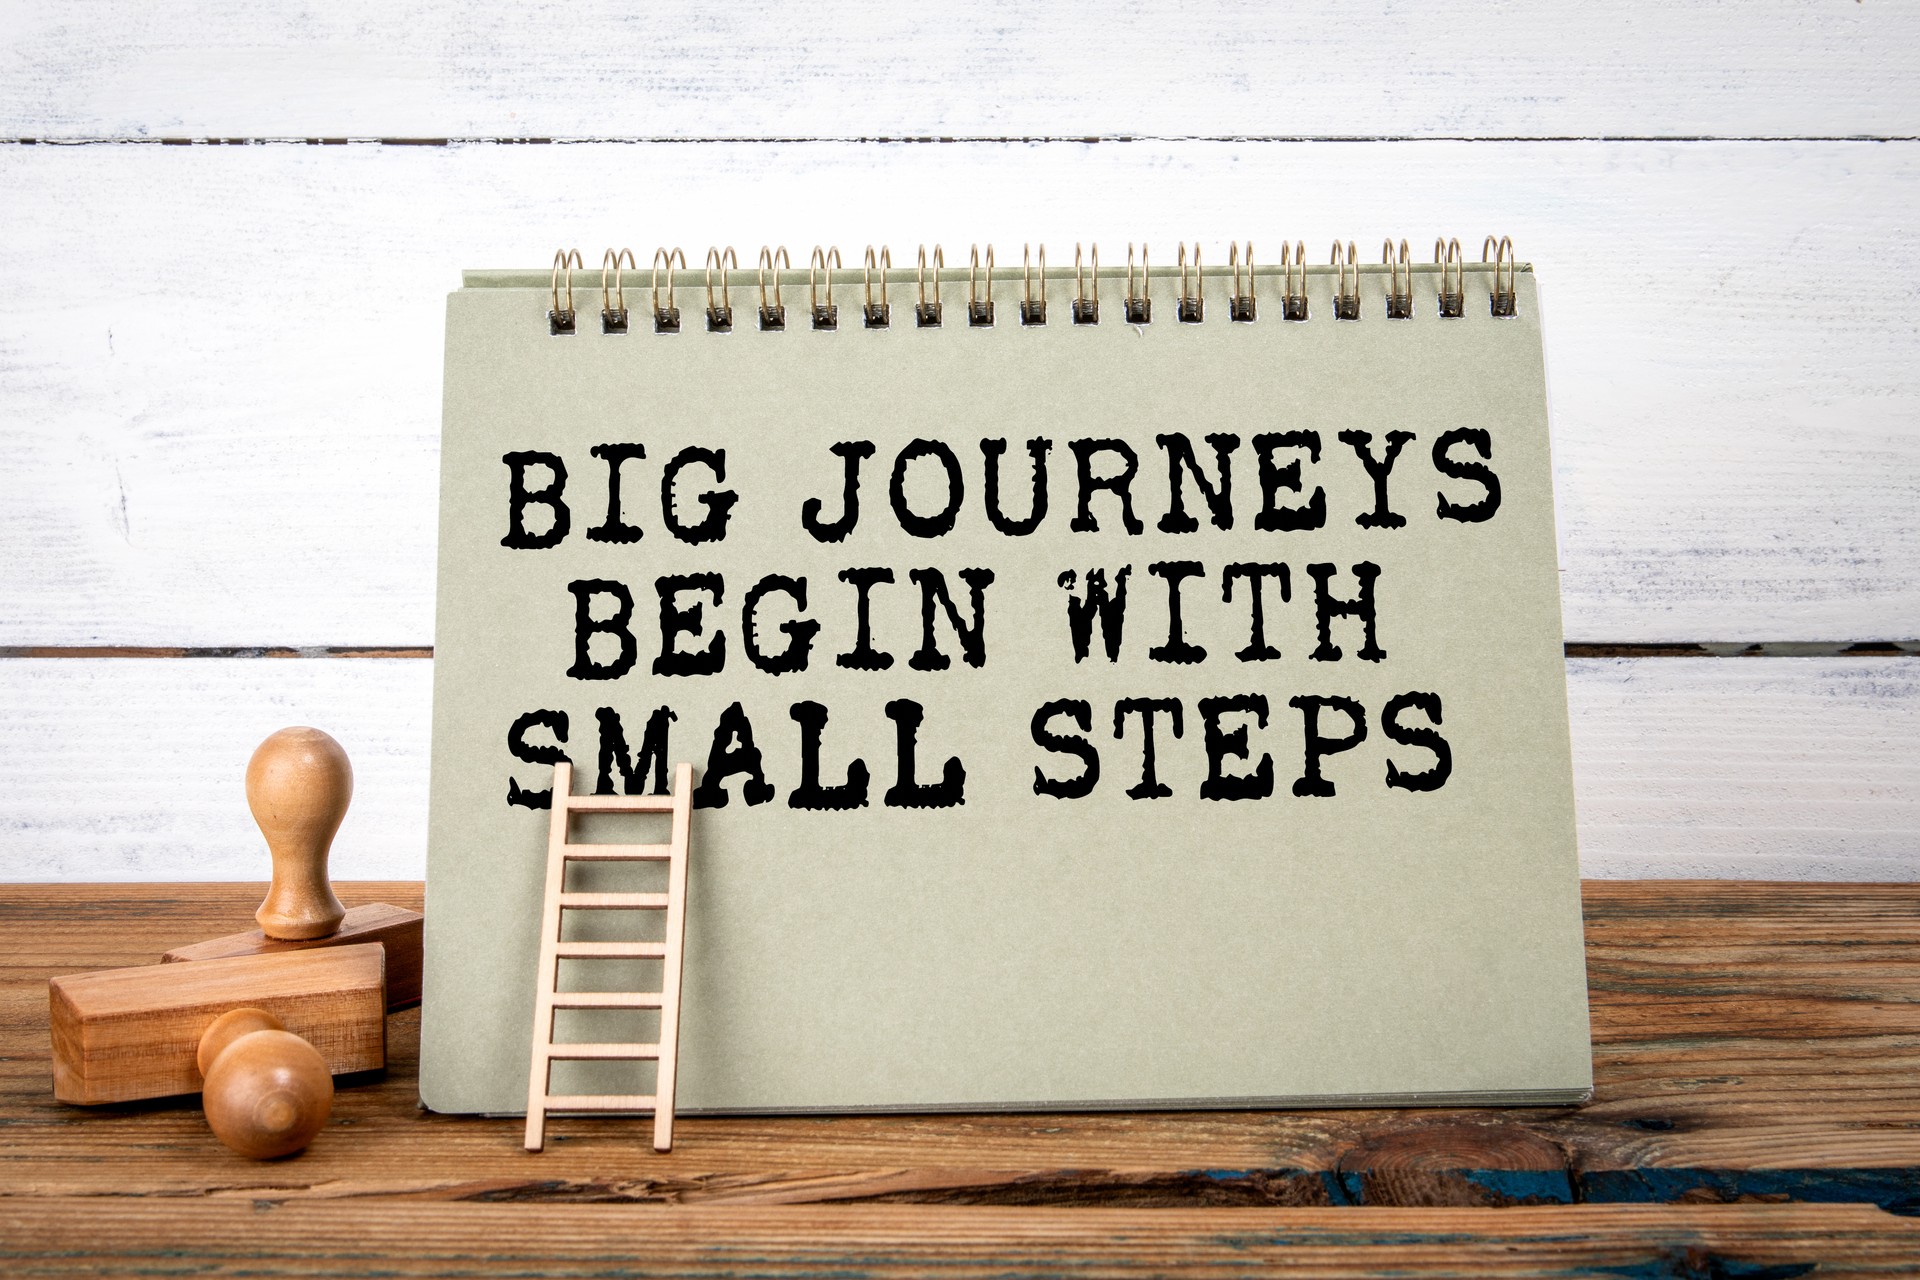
pixel 720 315
pixel 1086 308
pixel 1500 253
pixel 666 319
pixel 559 318
pixel 927 314
pixel 1032 310
pixel 1346 283
pixel 1240 304
pixel 979 305
pixel 880 316
pixel 1293 280
pixel 823 263
pixel 613 304
pixel 1192 307
pixel 1451 298
pixel 1399 281
pixel 1138 308
pixel 773 316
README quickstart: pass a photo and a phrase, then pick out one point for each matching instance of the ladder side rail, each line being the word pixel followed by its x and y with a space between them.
pixel 669 1038
pixel 540 1060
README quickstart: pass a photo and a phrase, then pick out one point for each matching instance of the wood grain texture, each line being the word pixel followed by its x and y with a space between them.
pixel 596 69
pixel 219 396
pixel 1788 768
pixel 1754 1043
pixel 396 929
pixel 122 1034
pixel 227 1239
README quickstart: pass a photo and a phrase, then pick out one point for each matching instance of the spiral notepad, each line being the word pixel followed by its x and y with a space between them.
pixel 1134 684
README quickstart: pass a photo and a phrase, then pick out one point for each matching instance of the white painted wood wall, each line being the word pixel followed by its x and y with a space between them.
pixel 220 364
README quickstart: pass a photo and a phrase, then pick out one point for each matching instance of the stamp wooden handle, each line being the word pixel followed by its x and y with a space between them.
pixel 267 1091
pixel 299 783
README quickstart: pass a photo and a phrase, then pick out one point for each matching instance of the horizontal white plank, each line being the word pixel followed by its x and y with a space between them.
pixel 134 769
pixel 603 68
pixel 1753 768
pixel 220 368
pixel 130 769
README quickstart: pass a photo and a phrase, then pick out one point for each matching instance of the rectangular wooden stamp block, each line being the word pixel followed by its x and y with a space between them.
pixel 121 1034
pixel 395 928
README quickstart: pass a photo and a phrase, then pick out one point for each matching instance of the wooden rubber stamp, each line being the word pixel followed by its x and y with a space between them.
pixel 299 784
pixel 123 1034
pixel 266 1091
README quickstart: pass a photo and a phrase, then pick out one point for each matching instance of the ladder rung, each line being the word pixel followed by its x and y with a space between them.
pixel 599 1102
pixel 616 1052
pixel 606 999
pixel 619 852
pixel 622 804
pixel 614 901
pixel 610 950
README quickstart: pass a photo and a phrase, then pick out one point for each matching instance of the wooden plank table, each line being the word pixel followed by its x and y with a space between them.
pixel 1757 1111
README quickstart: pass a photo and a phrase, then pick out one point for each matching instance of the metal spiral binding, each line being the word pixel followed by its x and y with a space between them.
pixel 666 319
pixel 1449 268
pixel 824 262
pixel 1086 310
pixel 880 316
pixel 1192 308
pixel 1346 284
pixel 772 317
pixel 720 317
pixel 613 306
pixel 1240 303
pixel 1032 310
pixel 927 314
pixel 979 309
pixel 1138 309
pixel 1500 253
pixel 1399 282
pixel 1293 296
pixel 559 318
pixel 1451 297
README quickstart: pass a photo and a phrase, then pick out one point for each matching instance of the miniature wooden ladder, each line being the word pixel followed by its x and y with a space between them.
pixel 553 951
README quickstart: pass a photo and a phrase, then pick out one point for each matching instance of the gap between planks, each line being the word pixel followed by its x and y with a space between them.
pixel 959 139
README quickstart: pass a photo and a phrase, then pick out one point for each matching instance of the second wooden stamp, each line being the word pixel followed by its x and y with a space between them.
pixel 299 783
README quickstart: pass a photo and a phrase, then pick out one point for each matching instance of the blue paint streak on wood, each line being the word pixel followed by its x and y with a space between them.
pixel 1696 1267
pixel 1525 1186
pixel 1895 1190
pixel 1343 1188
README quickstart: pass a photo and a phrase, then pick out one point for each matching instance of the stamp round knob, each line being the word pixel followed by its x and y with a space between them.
pixel 266 1091
pixel 298 785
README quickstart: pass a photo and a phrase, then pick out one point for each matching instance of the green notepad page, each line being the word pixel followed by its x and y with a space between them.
pixel 1162 714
